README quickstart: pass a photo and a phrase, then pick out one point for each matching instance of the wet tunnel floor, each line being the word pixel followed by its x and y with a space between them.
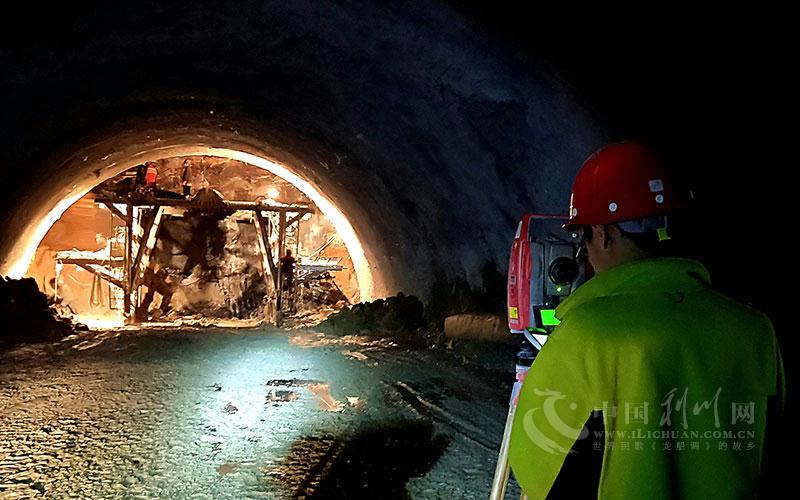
pixel 255 414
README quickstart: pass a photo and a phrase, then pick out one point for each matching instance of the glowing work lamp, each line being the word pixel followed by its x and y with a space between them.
pixel 542 271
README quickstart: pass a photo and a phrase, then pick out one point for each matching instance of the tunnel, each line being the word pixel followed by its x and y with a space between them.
pixel 368 166
pixel 422 131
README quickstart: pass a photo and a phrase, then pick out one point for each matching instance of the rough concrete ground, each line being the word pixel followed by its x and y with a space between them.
pixel 249 414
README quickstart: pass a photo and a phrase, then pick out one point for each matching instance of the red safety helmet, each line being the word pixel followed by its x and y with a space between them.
pixel 622 182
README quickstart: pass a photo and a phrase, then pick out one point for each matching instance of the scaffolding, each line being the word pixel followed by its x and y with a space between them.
pixel 126 259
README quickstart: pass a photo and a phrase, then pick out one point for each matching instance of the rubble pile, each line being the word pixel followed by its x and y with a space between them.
pixel 25 315
pixel 315 300
pixel 398 315
pixel 314 293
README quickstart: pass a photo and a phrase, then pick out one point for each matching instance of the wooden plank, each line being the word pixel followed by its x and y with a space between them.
pixel 267 262
pixel 140 252
pixel 79 260
pixel 233 205
pixel 128 251
pixel 281 244
pixel 294 219
pixel 281 233
pixel 319 267
pixel 148 244
pixel 116 211
pixel 319 250
pixel 297 241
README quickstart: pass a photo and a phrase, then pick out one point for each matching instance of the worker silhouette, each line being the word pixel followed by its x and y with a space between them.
pixel 288 264
pixel 186 178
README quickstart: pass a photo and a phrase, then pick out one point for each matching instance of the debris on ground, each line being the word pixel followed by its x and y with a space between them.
pixel 356 402
pixel 26 315
pixel 197 321
pixel 397 315
pixel 355 355
pixel 325 401
pixel 314 300
pixel 321 391
pixel 308 339
pixel 65 314
pixel 277 397
pixel 227 468
pixel 295 382
pixel 319 291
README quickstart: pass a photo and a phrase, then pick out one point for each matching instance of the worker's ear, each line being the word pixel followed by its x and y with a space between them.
pixel 599 231
pixel 603 233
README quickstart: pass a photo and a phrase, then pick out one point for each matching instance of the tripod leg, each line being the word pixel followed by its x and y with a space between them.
pixel 525 358
pixel 501 472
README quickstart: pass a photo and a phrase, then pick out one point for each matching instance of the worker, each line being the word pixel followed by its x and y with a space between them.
pixel 138 183
pixel 150 176
pixel 186 178
pixel 288 263
pixel 680 374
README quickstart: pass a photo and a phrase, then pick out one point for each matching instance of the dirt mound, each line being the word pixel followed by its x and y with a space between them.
pixel 401 314
pixel 25 314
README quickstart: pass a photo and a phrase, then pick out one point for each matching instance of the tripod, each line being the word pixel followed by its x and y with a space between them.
pixel 525 358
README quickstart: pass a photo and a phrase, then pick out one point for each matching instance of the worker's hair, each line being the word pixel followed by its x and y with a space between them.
pixel 647 241
pixel 651 239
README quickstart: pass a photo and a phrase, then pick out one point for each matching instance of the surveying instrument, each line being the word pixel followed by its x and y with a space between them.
pixel 542 270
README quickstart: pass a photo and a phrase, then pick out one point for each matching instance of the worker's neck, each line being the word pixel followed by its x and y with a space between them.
pixel 621 252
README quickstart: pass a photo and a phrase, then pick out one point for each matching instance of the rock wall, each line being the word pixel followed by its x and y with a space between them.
pixel 212 266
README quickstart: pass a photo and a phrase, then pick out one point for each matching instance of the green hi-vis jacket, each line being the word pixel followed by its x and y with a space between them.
pixel 681 373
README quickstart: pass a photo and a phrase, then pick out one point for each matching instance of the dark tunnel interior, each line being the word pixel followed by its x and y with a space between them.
pixel 430 126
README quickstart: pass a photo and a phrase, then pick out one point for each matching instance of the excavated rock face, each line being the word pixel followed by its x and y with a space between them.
pixel 213 266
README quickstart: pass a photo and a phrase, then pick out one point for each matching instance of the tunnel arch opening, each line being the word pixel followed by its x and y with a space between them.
pixel 24 248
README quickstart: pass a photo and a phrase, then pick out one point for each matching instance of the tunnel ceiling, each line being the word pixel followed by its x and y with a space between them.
pixel 432 125
pixel 429 136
